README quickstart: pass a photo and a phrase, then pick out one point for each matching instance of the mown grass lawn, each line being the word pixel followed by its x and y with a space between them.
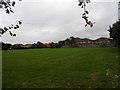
pixel 57 68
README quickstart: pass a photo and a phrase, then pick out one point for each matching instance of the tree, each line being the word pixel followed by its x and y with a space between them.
pixel 7 5
pixel 115 33
pixel 33 45
pixel 39 45
pixel 61 43
pixel 67 42
pixel 6 46
pixel 72 41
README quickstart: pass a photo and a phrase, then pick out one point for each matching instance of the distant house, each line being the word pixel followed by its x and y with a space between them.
pixel 85 41
pixel 68 43
pixel 102 40
pixel 78 42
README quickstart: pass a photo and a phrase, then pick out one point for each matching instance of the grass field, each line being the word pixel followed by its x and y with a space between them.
pixel 57 68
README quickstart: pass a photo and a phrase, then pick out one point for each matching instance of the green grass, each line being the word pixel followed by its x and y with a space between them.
pixel 57 68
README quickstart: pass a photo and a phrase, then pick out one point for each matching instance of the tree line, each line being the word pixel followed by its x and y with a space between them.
pixel 69 42
pixel 8 46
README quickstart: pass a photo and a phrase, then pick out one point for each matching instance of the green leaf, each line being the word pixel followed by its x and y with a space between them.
pixel 11 11
pixel 85 25
pixel 13 3
pixel 87 12
pixel 10 27
pixel 91 25
pixel 6 6
pixel 5 28
pixel 20 22
pixel 2 31
pixel 17 26
pixel 14 34
pixel 7 11
pixel 80 4
pixel 83 13
pixel 10 33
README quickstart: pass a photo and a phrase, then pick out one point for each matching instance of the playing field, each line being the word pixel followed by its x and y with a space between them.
pixel 57 68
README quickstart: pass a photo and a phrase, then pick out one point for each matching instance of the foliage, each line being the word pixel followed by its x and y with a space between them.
pixel 70 42
pixel 115 33
pixel 39 45
pixel 7 5
pixel 9 28
pixel 113 78
pixel 61 43
pixel 83 4
pixel 6 46
pixel 112 73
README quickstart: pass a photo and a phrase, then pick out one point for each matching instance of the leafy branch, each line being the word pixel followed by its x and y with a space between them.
pixel 9 28
pixel 83 4
pixel 7 5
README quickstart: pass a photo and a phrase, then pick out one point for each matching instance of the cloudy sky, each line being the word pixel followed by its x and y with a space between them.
pixel 54 20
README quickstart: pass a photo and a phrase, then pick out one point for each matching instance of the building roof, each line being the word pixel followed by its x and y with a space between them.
pixel 103 38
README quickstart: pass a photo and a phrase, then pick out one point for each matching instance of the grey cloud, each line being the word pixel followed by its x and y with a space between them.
pixel 54 20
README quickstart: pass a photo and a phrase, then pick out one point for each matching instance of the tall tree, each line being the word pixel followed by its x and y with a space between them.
pixel 115 33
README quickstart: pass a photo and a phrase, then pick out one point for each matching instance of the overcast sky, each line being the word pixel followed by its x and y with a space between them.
pixel 54 20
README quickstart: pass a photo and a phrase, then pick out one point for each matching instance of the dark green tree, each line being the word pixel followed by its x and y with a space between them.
pixel 61 43
pixel 6 46
pixel 115 33
pixel 39 45
pixel 72 41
